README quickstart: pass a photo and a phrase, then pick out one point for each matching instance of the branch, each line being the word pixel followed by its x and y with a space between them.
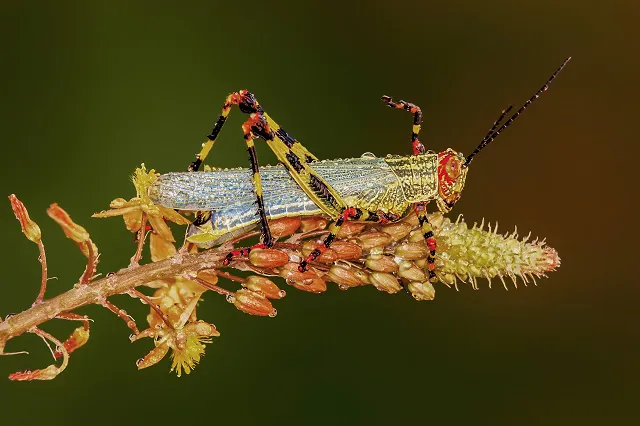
pixel 96 292
pixel 391 257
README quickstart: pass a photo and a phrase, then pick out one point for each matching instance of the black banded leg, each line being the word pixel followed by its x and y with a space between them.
pixel 247 104
pixel 258 124
pixel 418 148
pixel 427 233
pixel 350 213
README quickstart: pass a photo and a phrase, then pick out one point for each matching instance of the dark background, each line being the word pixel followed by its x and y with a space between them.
pixel 91 91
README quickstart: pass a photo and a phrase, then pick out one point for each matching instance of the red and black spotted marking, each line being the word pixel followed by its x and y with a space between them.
pixel 430 239
pixel 257 122
pixel 244 252
pixel 350 213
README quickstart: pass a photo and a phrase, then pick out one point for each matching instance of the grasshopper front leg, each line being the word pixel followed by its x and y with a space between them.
pixel 420 208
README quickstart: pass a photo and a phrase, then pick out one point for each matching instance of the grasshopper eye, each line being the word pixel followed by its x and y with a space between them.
pixel 452 167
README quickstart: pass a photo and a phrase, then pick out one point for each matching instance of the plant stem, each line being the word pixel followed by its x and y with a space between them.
pixel 97 291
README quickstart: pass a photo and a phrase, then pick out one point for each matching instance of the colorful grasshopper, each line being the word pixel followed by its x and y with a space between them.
pixel 366 188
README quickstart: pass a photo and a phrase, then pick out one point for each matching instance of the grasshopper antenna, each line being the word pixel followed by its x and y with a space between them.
pixel 497 122
pixel 494 133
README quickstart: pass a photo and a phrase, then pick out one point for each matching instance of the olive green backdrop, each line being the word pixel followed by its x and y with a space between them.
pixel 92 89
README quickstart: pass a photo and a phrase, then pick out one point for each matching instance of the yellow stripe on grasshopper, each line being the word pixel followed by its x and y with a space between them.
pixel 303 177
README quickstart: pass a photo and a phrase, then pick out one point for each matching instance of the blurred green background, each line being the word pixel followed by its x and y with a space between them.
pixel 92 89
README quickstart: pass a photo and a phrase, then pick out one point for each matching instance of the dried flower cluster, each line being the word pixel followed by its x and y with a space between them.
pixel 391 258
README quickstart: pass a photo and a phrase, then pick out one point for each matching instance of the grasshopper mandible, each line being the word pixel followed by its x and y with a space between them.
pixel 366 188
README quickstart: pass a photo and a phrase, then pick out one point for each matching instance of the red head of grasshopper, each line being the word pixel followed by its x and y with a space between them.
pixel 451 178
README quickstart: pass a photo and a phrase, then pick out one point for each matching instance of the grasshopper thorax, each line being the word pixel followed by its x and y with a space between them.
pixel 451 178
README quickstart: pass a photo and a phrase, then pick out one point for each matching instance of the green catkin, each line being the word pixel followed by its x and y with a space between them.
pixel 467 254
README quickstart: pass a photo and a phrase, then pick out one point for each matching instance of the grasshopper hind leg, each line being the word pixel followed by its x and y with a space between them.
pixel 256 125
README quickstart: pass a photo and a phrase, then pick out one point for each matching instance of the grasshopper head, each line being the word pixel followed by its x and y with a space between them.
pixel 451 178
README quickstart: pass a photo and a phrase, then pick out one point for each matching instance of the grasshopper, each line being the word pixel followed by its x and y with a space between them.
pixel 365 189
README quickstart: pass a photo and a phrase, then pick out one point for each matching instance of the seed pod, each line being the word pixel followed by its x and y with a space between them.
pixel 349 229
pixel 346 250
pixel 385 282
pixel 290 272
pixel 343 275
pixel 410 271
pixel 368 240
pixel 312 223
pixel 160 248
pixel 327 257
pixel 397 230
pixel 252 303
pixel 436 220
pixel 412 251
pixel 264 286
pixel 383 264
pixel 209 276
pixel 422 290
pixel 362 276
pixel 30 229
pixel 312 285
pixel 411 219
pixel 268 258
pixel 284 226
pixel 416 236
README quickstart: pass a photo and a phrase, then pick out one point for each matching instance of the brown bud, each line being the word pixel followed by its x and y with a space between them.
pixel 160 248
pixel 265 286
pixel 329 256
pixel 372 239
pixel 312 223
pixel 344 276
pixel 436 220
pixel 349 229
pixel 397 230
pixel 385 282
pixel 346 250
pixel 411 219
pixel 421 263
pixel 410 271
pixel 412 251
pixel 312 285
pixel 268 258
pixel 416 236
pixel 30 229
pixel 252 303
pixel 362 276
pixel 290 272
pixel 72 230
pixel 208 275
pixel 284 226
pixel 382 264
pixel 422 290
